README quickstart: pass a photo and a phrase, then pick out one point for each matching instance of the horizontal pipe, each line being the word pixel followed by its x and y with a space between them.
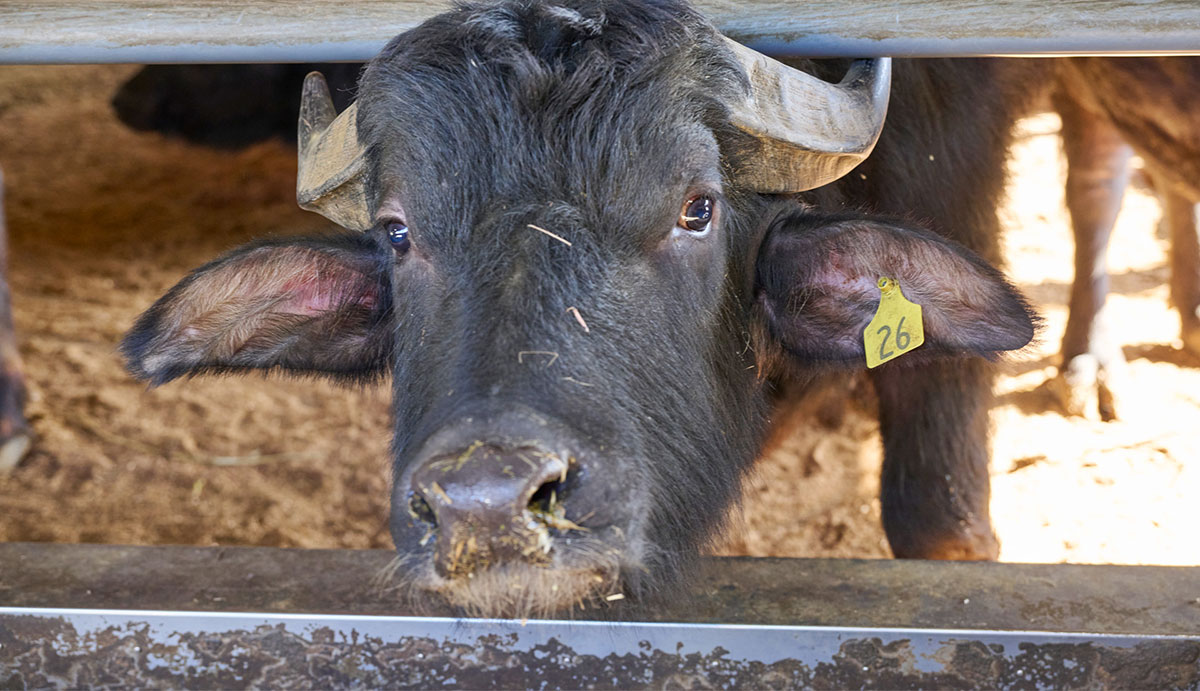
pixel 209 31
pixel 1134 600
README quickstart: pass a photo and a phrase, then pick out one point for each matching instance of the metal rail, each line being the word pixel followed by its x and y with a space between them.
pixel 76 615
pixel 73 648
pixel 165 31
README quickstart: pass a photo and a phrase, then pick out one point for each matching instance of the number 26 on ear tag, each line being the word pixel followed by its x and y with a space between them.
pixel 896 328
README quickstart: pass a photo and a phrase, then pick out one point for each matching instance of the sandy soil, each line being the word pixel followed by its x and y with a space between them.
pixel 103 220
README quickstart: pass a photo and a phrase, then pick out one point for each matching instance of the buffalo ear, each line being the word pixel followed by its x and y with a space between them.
pixel 313 305
pixel 818 288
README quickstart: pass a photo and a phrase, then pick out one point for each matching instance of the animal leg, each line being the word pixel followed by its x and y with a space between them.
pixel 1098 172
pixel 1180 213
pixel 935 486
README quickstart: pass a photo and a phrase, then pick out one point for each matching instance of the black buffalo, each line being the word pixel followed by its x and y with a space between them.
pixel 591 268
pixel 224 106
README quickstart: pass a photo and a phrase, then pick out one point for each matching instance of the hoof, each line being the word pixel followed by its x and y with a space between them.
pixel 13 450
pixel 966 550
pixel 978 545
pixel 970 540
pixel 1191 340
pixel 1106 403
pixel 1085 388
pixel 1075 385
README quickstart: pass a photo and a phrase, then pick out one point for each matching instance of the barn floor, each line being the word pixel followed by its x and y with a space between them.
pixel 103 220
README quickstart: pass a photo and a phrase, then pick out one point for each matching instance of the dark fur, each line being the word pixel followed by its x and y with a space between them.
pixel 595 121
pixel 490 119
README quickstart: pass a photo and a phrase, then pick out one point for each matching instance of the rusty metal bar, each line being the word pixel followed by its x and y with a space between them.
pixel 180 616
pixel 158 31
pixel 73 648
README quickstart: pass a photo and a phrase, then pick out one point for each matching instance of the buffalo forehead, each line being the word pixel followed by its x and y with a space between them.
pixel 496 122
pixel 622 169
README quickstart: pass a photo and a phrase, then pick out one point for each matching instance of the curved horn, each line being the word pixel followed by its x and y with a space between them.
pixel 332 168
pixel 811 132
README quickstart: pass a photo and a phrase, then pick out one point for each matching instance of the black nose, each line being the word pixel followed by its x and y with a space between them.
pixel 489 504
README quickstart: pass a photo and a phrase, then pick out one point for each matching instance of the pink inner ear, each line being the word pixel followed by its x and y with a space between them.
pixel 842 275
pixel 227 308
pixel 313 296
pixel 325 287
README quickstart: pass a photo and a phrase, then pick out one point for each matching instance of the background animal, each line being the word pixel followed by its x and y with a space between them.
pixel 1110 108
pixel 227 106
pixel 15 435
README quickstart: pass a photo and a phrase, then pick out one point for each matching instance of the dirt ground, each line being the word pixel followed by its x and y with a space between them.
pixel 103 220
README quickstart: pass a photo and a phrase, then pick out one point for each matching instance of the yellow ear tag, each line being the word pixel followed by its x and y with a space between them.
pixel 896 327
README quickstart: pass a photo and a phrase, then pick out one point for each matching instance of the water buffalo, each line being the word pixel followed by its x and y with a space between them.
pixel 1109 105
pixel 598 247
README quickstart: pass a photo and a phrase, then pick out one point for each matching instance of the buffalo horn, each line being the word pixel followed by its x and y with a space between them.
pixel 810 132
pixel 332 169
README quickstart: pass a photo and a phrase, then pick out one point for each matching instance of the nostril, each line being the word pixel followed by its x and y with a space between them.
pixel 420 509
pixel 547 497
pixel 547 505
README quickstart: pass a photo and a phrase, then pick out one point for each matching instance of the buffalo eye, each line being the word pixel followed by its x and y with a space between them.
pixel 697 213
pixel 397 233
